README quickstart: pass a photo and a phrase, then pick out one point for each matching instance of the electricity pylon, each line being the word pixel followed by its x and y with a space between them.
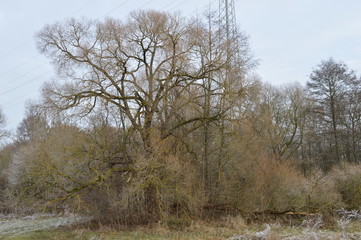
pixel 227 18
pixel 228 28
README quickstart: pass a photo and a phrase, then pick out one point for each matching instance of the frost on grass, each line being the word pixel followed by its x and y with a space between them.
pixel 352 215
pixel 311 229
pixel 17 226
pixel 256 236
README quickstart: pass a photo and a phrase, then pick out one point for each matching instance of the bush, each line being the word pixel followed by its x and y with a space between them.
pixel 74 170
pixel 348 183
pixel 267 185
pixel 271 185
pixel 322 194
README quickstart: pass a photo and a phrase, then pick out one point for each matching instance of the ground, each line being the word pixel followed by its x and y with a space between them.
pixel 230 228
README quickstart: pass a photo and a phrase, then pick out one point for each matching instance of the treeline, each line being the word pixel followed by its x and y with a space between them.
pixel 161 116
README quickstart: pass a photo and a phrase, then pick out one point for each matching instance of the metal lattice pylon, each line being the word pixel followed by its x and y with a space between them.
pixel 228 29
pixel 227 18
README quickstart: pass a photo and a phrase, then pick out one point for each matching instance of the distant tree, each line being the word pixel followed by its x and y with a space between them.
pixel 351 121
pixel 279 119
pixel 3 132
pixel 33 127
pixel 329 84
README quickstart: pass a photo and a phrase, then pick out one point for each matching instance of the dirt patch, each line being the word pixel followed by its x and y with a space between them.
pixel 12 226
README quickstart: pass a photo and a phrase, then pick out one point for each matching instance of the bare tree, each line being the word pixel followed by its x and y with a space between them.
pixel 351 121
pixel 329 83
pixel 150 70
pixel 279 118
pixel 134 66
pixel 33 127
pixel 3 132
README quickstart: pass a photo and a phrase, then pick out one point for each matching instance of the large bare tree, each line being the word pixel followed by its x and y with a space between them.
pixel 149 72
pixel 148 67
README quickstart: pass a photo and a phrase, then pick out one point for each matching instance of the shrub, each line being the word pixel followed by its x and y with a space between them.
pixel 322 194
pixel 348 183
pixel 267 185
pixel 271 185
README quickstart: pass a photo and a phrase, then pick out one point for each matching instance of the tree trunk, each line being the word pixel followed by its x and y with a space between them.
pixel 334 128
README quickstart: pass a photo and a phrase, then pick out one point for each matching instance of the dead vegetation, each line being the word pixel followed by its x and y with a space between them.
pixel 155 121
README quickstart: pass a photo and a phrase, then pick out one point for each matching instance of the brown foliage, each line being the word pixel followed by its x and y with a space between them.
pixel 347 179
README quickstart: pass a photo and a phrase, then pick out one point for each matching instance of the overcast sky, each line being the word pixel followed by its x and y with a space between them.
pixel 289 37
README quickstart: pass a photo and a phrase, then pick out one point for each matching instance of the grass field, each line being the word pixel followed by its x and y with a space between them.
pixel 232 228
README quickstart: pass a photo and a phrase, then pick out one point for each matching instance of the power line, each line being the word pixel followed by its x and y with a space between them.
pixel 25 83
pixel 204 6
pixel 81 8
pixel 168 4
pixel 182 3
pixel 146 4
pixel 34 57
pixel 29 60
pixel 18 100
pixel 38 55
pixel 116 7
pixel 26 73
pixel 20 46
pixel 15 49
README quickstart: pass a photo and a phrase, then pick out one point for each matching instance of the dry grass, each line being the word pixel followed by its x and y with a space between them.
pixel 229 228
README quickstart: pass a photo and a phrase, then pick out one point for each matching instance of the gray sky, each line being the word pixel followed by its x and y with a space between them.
pixel 289 37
